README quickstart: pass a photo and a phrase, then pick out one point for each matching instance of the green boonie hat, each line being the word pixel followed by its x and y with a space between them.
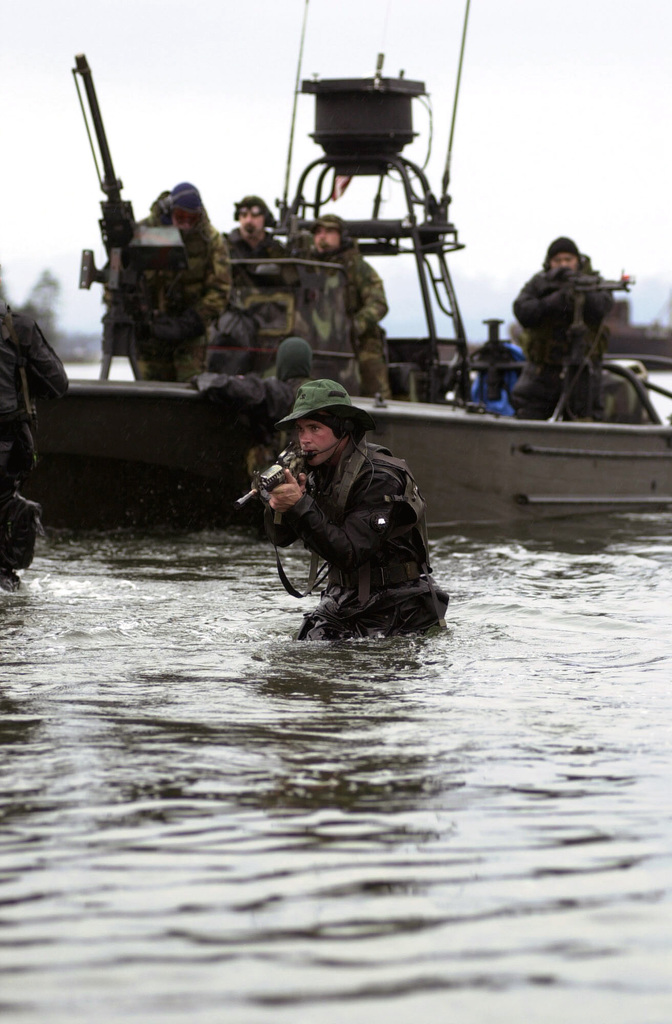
pixel 325 396
pixel 329 220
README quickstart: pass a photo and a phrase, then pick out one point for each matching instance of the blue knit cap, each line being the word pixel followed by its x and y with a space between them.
pixel 186 196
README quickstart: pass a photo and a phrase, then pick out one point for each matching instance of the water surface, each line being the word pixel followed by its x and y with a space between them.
pixel 205 821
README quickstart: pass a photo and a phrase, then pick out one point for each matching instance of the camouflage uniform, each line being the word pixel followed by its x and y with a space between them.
pixel 204 287
pixel 365 305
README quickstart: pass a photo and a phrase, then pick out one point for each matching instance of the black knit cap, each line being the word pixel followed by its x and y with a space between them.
pixel 562 245
pixel 186 196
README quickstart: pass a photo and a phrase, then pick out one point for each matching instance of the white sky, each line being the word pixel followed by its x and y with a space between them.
pixel 563 126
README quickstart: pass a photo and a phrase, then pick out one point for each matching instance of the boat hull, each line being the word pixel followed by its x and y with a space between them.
pixel 480 468
pixel 151 455
pixel 138 454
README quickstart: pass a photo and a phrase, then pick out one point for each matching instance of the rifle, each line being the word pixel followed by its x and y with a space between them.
pixel 131 248
pixel 290 458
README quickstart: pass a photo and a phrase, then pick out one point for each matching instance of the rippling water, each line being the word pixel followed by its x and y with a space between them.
pixel 204 821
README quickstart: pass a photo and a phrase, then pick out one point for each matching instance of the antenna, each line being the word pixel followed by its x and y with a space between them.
pixel 379 70
pixel 296 96
pixel 446 173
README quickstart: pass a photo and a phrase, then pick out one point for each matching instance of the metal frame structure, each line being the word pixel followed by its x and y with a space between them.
pixel 424 232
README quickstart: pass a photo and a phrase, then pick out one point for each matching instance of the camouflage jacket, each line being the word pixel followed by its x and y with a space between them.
pixel 365 299
pixel 205 284
pixel 545 308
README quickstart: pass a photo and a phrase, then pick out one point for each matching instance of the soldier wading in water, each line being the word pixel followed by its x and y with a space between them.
pixel 29 368
pixel 359 510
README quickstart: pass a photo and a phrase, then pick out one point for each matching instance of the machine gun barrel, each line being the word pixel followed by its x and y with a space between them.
pixel 117 223
pixel 131 248
pixel 592 283
pixel 110 184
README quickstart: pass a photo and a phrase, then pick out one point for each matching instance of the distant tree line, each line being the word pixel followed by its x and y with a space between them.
pixel 42 305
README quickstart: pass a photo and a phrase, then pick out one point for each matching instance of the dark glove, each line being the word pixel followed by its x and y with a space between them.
pixel 143 330
pixel 177 328
pixel 558 274
pixel 558 301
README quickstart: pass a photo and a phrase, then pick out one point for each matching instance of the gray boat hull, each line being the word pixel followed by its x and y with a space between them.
pixel 151 455
pixel 480 468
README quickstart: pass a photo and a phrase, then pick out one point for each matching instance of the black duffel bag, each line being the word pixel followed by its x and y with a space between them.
pixel 20 523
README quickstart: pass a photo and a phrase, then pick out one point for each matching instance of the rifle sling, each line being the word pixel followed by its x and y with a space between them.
pixel 313 577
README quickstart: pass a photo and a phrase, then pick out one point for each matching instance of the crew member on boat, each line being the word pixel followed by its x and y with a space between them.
pixel 234 337
pixel 562 310
pixel 29 368
pixel 252 239
pixel 366 304
pixel 358 509
pixel 184 302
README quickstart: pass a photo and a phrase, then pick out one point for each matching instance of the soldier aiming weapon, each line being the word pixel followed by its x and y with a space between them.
pixel 291 458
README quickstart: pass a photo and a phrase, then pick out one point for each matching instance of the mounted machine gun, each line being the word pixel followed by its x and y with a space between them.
pixel 131 248
pixel 580 362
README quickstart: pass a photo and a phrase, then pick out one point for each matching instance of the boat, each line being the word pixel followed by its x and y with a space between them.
pixel 650 343
pixel 147 454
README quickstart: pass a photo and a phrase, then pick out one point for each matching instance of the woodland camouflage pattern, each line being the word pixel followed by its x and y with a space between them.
pixel 366 304
pixel 204 286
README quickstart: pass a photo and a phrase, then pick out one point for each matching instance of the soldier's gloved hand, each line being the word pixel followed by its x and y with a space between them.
pixel 191 324
pixel 558 301
pixel 177 328
pixel 558 274
pixel 142 330
pixel 165 328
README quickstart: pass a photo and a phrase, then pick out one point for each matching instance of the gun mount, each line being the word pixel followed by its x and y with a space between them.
pixel 131 248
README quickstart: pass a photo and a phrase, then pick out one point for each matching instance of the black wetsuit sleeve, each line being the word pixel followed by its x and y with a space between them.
pixel 539 298
pixel 597 306
pixel 366 525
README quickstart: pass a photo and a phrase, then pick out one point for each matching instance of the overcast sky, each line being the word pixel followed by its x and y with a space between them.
pixel 563 126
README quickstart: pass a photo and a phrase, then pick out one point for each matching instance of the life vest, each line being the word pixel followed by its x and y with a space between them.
pixel 411 498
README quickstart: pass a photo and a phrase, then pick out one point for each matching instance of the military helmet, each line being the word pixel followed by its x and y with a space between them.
pixel 326 396
pixel 249 202
pixel 330 220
